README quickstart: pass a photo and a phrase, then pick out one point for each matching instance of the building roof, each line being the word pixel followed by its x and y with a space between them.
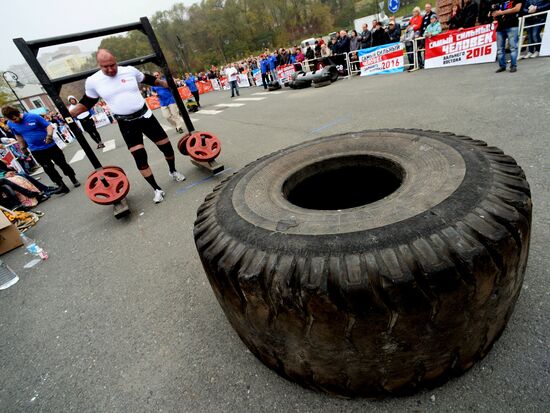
pixel 29 90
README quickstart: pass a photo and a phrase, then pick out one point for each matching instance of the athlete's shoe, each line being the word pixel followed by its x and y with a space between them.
pixel 176 176
pixel 159 196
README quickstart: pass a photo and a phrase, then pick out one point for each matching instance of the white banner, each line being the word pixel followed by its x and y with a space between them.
pixel 216 84
pixel 462 47
pixel 257 73
pixel 101 119
pixel 380 60
pixel 242 81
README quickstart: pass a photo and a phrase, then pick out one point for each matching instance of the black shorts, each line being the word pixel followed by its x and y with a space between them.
pixel 132 131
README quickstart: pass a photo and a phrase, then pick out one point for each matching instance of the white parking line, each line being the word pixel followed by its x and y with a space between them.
pixel 78 156
pixel 109 145
pixel 209 112
pixel 230 105
pixel 249 99
pixel 275 92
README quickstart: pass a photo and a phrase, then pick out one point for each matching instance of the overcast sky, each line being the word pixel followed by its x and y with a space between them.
pixel 36 19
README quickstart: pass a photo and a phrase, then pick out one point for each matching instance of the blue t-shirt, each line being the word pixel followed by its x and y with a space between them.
pixel 33 129
pixel 191 84
pixel 272 62
pixel 164 94
pixel 264 66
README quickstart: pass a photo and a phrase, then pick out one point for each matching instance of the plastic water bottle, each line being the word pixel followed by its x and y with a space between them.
pixel 34 249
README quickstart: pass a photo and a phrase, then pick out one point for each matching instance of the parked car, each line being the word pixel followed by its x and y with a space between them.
pixel 404 21
pixel 307 42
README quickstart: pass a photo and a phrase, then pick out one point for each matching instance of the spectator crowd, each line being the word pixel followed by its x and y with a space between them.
pixel 465 14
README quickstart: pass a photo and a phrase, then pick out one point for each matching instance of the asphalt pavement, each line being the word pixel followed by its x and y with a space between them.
pixel 121 317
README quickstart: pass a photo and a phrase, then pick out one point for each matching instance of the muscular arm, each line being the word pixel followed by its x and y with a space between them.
pixel 513 10
pixel 49 133
pixel 85 104
pixel 153 81
pixel 159 82
pixel 21 142
pixel 77 110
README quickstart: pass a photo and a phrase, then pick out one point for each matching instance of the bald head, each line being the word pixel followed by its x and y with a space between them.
pixel 106 62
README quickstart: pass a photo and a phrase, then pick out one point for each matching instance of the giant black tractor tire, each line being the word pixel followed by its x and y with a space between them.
pixel 332 72
pixel 322 83
pixel 275 85
pixel 371 263
pixel 297 84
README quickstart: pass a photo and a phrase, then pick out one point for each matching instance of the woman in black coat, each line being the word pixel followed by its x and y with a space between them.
pixel 455 21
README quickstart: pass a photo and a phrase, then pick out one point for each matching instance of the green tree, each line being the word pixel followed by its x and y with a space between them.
pixel 220 31
pixel 6 94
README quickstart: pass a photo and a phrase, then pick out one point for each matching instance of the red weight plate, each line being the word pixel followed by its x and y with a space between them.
pixel 117 187
pixel 181 144
pixel 203 146
pixel 118 168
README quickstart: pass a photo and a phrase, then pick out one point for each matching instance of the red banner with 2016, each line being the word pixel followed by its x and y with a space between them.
pixel 462 47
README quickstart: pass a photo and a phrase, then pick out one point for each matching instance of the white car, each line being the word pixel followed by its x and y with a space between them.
pixel 305 43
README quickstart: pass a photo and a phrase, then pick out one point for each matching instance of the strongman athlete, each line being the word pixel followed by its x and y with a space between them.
pixel 87 122
pixel 119 87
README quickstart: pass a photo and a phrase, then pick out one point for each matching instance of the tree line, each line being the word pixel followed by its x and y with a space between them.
pixel 215 32
pixel 221 31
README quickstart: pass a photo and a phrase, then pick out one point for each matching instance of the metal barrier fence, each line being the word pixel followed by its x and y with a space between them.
pixel 419 47
pixel 352 60
pixel 413 51
pixel 523 27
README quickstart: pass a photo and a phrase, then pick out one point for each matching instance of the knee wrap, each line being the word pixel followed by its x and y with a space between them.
pixel 167 150
pixel 140 156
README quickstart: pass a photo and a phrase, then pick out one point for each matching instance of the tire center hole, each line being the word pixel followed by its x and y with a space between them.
pixel 343 182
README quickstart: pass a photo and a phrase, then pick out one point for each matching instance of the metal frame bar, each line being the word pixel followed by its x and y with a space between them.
pixel 161 61
pixel 30 49
pixel 308 65
pixel 53 91
pixel 83 75
pixel 522 27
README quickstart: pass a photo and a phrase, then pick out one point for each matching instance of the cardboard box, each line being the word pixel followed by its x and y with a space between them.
pixel 9 235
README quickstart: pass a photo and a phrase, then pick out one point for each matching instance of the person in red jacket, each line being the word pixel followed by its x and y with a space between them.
pixel 416 24
pixel 416 20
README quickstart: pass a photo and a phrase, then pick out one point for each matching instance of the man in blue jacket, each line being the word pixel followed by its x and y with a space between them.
pixel 264 67
pixel 168 105
pixel 343 43
pixel 191 83
pixel 35 133
pixel 273 66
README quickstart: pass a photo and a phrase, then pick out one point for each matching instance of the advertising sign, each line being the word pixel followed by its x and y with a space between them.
pixel 462 47
pixel 381 60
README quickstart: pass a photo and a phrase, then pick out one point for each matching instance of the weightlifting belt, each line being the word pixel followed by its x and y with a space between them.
pixel 133 116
